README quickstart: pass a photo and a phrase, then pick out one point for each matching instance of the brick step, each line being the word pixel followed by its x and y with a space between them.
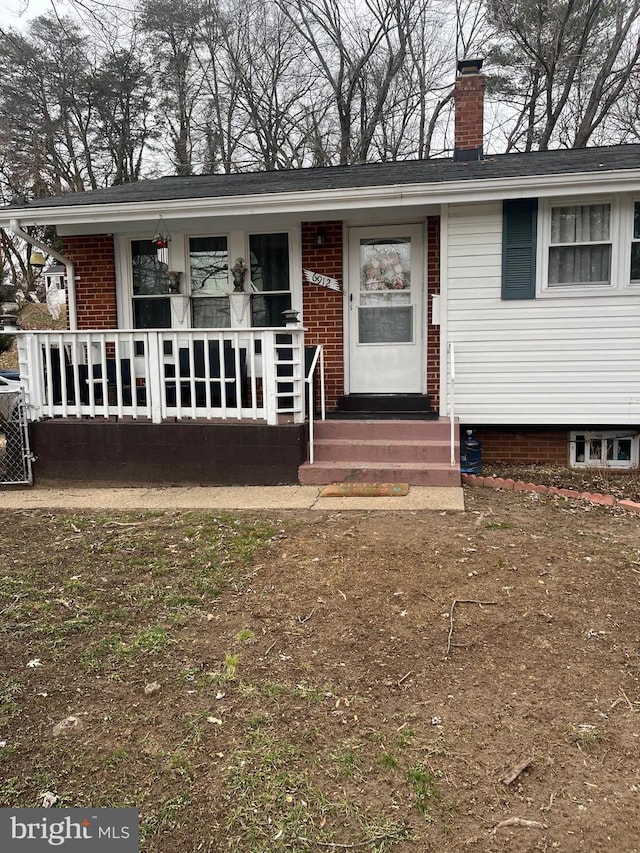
pixel 376 429
pixel 426 474
pixel 373 451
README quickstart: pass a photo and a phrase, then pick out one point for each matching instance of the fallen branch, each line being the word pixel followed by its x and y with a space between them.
pixel 519 821
pixel 515 771
pixel 451 622
pixel 303 619
pixel 336 845
pixel 404 677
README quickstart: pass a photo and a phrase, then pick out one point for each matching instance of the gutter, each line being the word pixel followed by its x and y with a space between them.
pixel 71 279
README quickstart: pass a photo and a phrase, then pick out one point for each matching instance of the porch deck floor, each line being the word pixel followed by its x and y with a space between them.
pixel 224 498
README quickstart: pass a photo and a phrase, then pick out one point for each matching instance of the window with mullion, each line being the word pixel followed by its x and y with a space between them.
pixel 635 244
pixel 151 305
pixel 270 278
pixel 580 245
pixel 209 281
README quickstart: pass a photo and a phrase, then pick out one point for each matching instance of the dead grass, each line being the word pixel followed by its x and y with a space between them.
pixel 203 693
pixel 32 316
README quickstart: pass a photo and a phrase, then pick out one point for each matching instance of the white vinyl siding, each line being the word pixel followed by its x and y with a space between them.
pixel 545 361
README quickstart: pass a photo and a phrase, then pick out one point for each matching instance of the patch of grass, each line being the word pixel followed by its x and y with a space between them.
pixel 347 763
pixel 585 736
pixel 405 738
pixel 152 640
pixel 166 815
pixel 111 650
pixel 10 791
pixel 277 689
pixel 230 666
pixel 388 761
pixel 425 788
pixel 115 758
pixel 244 635
pixel 10 691
pixel 275 803
pixel 437 748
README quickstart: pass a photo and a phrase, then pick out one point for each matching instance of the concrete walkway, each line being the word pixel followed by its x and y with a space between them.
pixel 223 498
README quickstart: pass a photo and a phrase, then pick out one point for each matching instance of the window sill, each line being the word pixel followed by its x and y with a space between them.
pixel 581 290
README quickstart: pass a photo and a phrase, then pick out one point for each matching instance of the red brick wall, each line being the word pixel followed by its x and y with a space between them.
pixel 433 332
pixel 536 446
pixel 323 318
pixel 94 262
pixel 469 111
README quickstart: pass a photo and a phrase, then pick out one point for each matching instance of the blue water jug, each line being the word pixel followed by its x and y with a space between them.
pixel 470 454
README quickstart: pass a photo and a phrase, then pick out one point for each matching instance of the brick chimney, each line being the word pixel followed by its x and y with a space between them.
pixel 468 98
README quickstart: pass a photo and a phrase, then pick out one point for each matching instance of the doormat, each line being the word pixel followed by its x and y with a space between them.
pixel 365 490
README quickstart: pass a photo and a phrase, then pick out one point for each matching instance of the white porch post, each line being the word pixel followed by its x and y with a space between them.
pixel 155 385
pixel 269 383
pixel 28 363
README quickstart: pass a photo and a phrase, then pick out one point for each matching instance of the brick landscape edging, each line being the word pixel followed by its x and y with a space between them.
pixel 520 486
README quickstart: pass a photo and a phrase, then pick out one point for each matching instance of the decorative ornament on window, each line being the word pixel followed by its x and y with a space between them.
pixel 385 271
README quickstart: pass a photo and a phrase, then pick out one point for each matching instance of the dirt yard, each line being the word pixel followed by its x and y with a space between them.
pixel 379 681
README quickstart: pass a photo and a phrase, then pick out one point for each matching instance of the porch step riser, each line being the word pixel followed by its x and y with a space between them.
pixel 335 450
pixel 324 473
pixel 385 430
pixel 384 403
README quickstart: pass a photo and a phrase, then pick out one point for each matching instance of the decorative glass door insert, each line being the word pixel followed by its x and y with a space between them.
pixel 385 310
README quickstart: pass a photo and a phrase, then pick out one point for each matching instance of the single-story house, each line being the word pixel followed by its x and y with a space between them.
pixel 214 320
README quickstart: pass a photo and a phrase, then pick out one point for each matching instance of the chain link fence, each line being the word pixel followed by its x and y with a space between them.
pixel 15 455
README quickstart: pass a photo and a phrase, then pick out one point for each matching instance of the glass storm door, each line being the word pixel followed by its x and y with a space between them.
pixel 385 310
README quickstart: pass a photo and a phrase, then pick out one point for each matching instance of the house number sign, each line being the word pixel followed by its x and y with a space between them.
pixel 321 280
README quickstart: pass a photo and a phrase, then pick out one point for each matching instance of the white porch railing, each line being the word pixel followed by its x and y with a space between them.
pixel 317 358
pixel 156 375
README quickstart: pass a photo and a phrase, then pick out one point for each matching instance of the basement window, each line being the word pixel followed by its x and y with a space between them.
pixel 611 449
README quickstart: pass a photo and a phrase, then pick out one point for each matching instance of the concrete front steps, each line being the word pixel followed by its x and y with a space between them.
pixel 417 452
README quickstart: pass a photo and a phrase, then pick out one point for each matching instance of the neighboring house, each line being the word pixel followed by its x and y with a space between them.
pixel 55 283
pixel 502 289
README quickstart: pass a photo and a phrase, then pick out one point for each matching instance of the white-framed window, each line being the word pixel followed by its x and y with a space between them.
pixel 588 246
pixel 608 449
pixel 151 306
pixel 578 245
pixel 208 265
pixel 270 277
pixel 147 294
pixel 635 244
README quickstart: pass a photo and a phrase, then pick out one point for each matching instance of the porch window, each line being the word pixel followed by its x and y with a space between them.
pixel 604 449
pixel 209 278
pixel 635 244
pixel 270 282
pixel 151 305
pixel 580 245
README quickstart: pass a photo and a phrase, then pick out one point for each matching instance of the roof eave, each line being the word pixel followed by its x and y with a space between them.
pixel 323 201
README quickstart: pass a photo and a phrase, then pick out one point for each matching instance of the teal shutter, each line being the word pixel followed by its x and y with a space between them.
pixel 519 232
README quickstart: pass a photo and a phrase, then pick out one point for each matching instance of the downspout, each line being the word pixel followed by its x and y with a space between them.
pixel 71 280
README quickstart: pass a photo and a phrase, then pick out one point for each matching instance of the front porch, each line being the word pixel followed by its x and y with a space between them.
pixel 159 376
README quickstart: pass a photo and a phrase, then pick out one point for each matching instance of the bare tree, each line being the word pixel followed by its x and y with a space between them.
pixel 173 30
pixel 565 65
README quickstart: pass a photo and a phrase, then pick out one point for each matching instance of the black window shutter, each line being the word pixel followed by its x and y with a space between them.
pixel 519 232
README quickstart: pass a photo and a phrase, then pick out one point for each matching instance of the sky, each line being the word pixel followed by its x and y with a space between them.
pixel 10 10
